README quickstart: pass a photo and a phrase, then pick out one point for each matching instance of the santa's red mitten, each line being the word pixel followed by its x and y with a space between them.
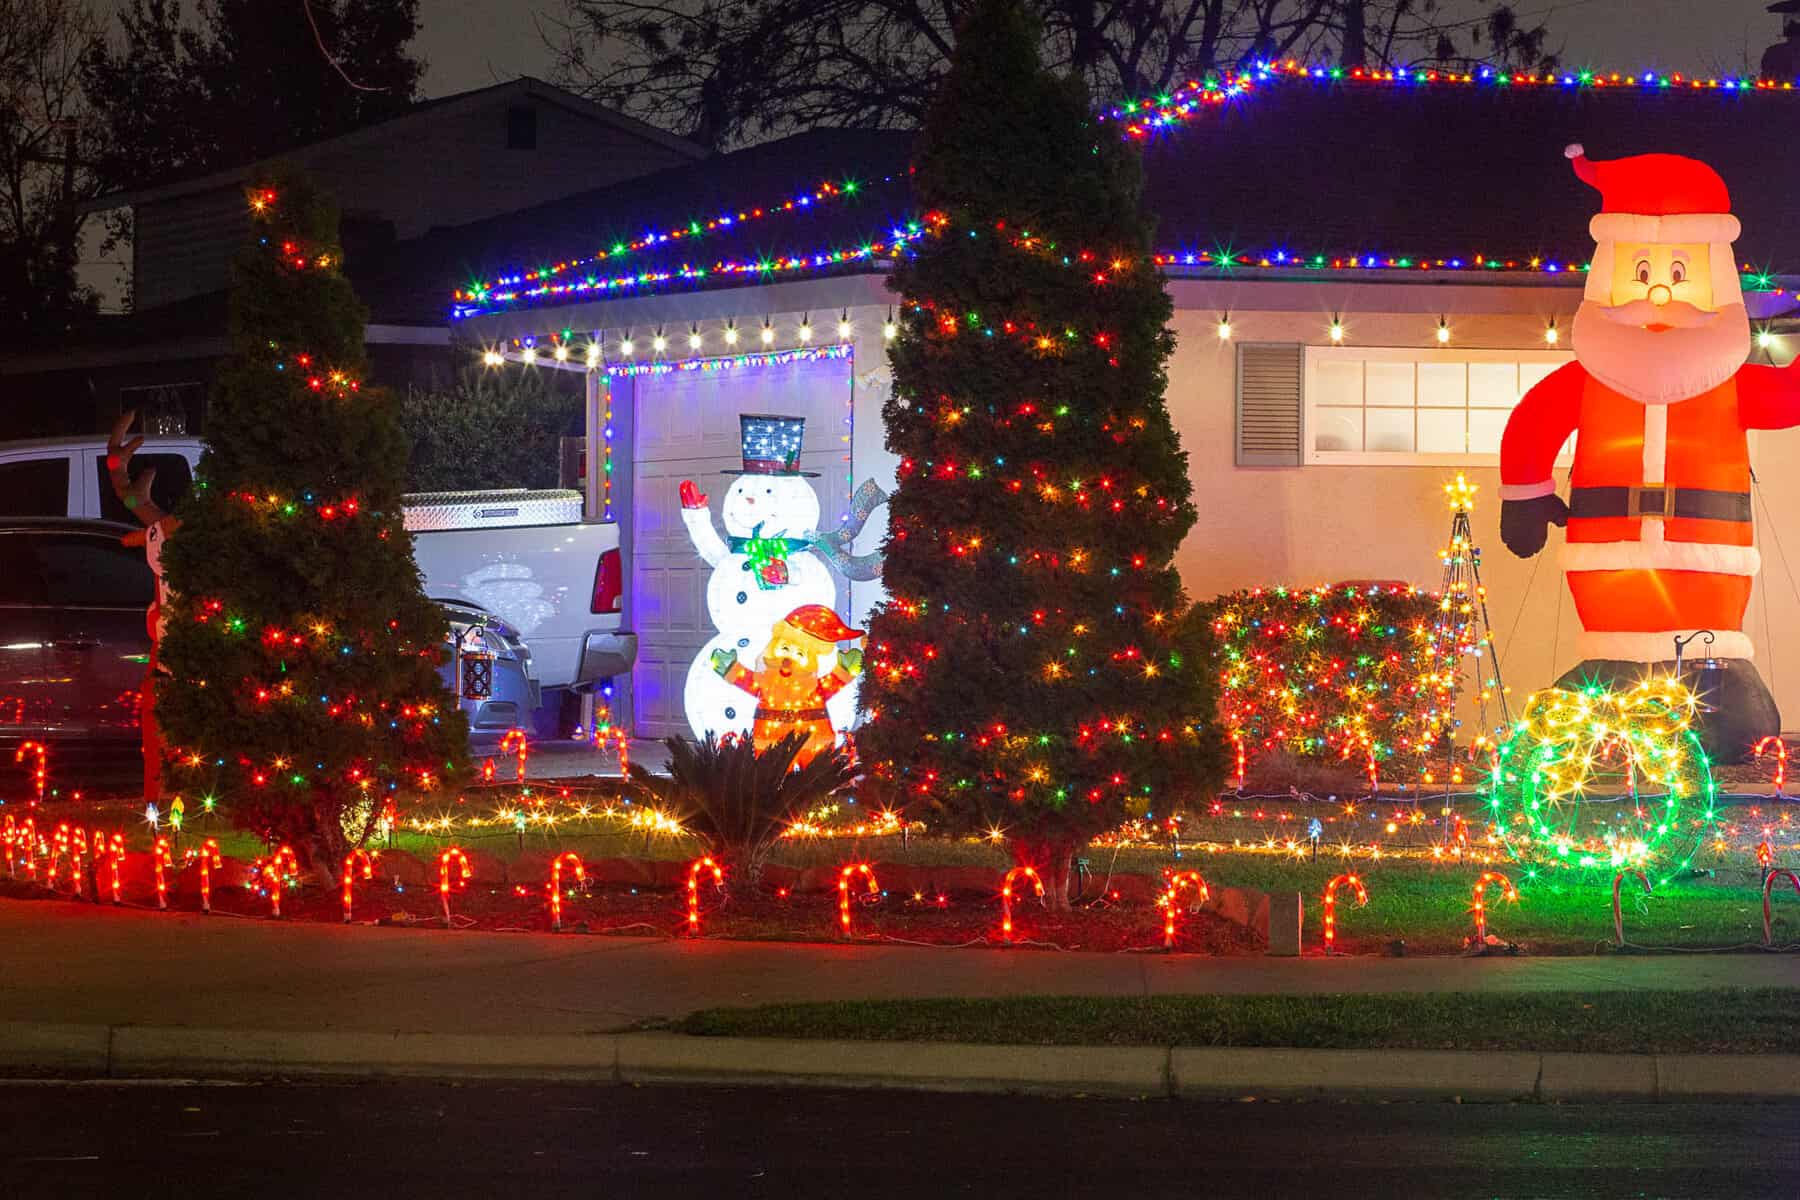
pixel 1524 524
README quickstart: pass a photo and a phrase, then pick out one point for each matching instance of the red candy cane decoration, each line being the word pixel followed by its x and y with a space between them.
pixel 272 872
pixel 208 854
pixel 1507 892
pixel 1362 898
pixel 515 739
pixel 368 872
pixel 1618 913
pixel 556 869
pixel 844 892
pixel 71 843
pixel 29 842
pixel 699 865
pixel 9 836
pixel 1177 881
pixel 1778 749
pixel 162 861
pixel 445 882
pixel 40 775
pixel 115 854
pixel 1768 884
pixel 1006 896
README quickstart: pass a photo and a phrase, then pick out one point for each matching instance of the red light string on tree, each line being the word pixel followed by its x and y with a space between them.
pixel 1618 913
pixel 844 876
pixel 447 879
pixel 1768 886
pixel 1176 882
pixel 210 861
pixel 695 869
pixel 556 888
pixel 1479 906
pixel 358 857
pixel 40 774
pixel 1006 896
pixel 162 862
pixel 1331 890
pixel 282 865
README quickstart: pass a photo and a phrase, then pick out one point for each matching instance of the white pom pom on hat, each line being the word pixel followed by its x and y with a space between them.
pixel 1574 150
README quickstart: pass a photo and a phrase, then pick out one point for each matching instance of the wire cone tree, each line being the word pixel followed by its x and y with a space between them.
pixel 301 652
pixel 1037 669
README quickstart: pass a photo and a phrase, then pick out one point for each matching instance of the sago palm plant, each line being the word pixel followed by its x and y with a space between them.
pixel 737 799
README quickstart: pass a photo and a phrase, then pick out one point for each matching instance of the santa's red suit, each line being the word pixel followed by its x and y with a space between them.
pixel 1660 538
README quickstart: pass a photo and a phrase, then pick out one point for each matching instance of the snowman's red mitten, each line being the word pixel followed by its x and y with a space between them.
pixel 691 496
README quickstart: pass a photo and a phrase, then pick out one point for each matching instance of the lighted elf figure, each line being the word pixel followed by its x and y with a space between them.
pixel 1660 542
pixel 764 568
pixel 789 683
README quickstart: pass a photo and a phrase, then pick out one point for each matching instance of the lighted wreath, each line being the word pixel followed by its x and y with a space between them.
pixel 1605 779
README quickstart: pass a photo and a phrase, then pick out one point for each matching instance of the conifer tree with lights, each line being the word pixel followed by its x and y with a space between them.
pixel 1037 670
pixel 301 653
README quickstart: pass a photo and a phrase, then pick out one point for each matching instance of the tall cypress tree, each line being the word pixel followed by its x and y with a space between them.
pixel 301 651
pixel 1037 669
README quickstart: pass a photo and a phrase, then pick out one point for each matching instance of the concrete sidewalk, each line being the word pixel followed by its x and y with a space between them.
pixel 82 964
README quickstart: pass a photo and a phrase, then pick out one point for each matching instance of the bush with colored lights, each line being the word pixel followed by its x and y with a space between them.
pixel 1329 675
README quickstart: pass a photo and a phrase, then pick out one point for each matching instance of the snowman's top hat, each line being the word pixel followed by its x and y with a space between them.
pixel 771 444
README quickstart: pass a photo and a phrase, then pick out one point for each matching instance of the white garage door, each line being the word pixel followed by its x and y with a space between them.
pixel 687 428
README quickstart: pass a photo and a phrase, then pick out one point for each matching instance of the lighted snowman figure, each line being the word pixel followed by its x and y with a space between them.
pixel 762 569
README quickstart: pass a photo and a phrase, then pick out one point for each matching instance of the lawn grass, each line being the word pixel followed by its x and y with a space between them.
pixel 1724 1020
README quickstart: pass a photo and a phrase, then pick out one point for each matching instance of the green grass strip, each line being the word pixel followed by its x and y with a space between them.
pixel 1721 1020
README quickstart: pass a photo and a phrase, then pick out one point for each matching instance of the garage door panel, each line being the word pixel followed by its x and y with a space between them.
pixel 686 427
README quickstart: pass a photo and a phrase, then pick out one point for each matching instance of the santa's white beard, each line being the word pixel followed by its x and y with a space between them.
pixel 1661 368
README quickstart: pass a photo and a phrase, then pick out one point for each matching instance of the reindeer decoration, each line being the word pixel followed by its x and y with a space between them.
pixel 158 527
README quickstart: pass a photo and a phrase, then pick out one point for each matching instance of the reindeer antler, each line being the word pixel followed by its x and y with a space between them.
pixel 133 494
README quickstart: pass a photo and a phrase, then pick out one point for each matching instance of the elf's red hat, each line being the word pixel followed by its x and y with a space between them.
pixel 1656 198
pixel 821 623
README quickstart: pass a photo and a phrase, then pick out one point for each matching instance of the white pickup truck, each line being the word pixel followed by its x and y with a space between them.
pixel 526 557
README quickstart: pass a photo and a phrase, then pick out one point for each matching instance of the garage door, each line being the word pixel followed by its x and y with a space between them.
pixel 686 427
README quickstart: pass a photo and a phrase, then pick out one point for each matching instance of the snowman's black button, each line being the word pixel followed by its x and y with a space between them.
pixel 731 714
pixel 742 597
pixel 742 642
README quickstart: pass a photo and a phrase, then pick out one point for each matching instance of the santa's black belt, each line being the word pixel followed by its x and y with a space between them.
pixel 789 715
pixel 1698 504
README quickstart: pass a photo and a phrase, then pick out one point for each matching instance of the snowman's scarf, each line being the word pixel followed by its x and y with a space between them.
pixel 766 557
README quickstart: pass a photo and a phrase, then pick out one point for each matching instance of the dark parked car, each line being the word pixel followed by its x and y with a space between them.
pixel 74 644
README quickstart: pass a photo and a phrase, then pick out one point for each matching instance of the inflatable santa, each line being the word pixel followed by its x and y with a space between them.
pixel 1660 542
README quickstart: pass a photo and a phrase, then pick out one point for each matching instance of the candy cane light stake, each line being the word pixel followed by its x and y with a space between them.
pixel 515 739
pixel 40 775
pixel 844 875
pixel 700 865
pixel 162 861
pixel 1362 898
pixel 1777 749
pixel 29 843
pixel 1768 884
pixel 273 873
pixel 115 854
pixel 1618 914
pixel 446 880
pixel 1177 881
pixel 1006 896
pixel 358 855
pixel 208 854
pixel 1507 891
pixel 556 897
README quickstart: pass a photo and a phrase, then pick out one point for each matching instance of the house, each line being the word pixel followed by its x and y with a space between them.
pixel 1368 271
pixel 444 162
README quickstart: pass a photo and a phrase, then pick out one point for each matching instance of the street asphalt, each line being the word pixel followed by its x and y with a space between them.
pixel 494 1140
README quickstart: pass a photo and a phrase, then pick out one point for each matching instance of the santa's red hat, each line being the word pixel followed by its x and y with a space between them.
pixel 820 623
pixel 1660 198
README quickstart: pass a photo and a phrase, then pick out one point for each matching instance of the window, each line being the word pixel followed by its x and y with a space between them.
pixel 521 127
pixel 1426 407
pixel 92 570
pixel 36 488
pixel 169 486
pixel 21 582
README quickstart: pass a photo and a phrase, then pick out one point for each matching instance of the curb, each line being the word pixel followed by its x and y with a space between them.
pixel 127 1051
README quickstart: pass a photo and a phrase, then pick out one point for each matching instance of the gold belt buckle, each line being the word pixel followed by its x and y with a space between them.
pixel 1665 495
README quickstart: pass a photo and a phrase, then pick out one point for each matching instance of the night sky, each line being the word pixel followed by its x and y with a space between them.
pixel 471 43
